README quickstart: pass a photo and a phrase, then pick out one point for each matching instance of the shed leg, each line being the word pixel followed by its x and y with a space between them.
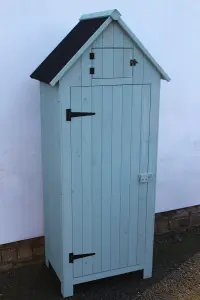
pixel 67 289
pixel 147 272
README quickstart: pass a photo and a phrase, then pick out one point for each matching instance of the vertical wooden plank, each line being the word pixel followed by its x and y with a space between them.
pixel 108 63
pixel 128 55
pixel 85 68
pixel 150 72
pixel 118 36
pixel 116 175
pixel 138 69
pixel 98 43
pixel 97 178
pixel 77 205
pixel 87 180
pixel 144 154
pixel 108 53
pixel 106 175
pixel 134 186
pixel 118 63
pixel 70 79
pixel 125 174
pixel 128 43
pixel 98 63
pixel 108 36
pixel 98 60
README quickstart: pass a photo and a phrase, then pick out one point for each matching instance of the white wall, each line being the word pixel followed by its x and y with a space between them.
pixel 31 29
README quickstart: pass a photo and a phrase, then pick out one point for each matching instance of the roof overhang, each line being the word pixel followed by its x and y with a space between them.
pixel 112 15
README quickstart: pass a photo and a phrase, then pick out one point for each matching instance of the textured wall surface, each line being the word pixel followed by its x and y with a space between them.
pixel 31 29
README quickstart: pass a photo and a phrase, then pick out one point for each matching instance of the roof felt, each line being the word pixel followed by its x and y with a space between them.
pixel 67 48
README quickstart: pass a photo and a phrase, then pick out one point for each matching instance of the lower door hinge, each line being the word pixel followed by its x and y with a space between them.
pixel 73 256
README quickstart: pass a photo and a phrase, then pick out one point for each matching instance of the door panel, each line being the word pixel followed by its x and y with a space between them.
pixel 108 152
pixel 112 62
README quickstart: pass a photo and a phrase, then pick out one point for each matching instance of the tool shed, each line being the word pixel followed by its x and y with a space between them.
pixel 100 93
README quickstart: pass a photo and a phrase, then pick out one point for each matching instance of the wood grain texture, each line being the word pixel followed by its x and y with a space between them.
pixel 51 165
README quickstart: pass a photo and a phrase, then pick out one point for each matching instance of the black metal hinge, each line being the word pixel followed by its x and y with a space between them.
pixel 92 71
pixel 91 55
pixel 70 114
pixel 72 256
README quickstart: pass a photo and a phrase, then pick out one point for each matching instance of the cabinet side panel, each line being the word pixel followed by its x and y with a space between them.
pixel 151 75
pixel 51 155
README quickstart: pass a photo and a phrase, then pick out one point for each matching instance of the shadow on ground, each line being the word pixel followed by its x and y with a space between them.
pixel 176 275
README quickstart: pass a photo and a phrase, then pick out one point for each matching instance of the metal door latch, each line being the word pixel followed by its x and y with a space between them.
pixel 133 62
pixel 144 178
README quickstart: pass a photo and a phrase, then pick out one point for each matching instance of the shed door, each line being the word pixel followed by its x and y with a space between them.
pixel 108 152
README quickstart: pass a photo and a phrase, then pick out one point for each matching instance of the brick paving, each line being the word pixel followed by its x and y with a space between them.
pixel 176 276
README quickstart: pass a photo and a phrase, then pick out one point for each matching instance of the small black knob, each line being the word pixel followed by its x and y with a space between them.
pixel 133 62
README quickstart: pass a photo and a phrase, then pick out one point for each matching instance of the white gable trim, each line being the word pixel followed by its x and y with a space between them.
pixel 144 50
pixel 80 52
pixel 93 38
pixel 114 14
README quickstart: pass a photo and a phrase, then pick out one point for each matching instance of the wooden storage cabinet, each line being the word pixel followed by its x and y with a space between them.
pixel 99 116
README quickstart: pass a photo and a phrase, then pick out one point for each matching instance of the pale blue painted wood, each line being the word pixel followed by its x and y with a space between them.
pixel 87 180
pixel 152 166
pixel 127 42
pixel 108 53
pixel 134 186
pixel 118 36
pixel 97 95
pixel 125 175
pixel 118 63
pixel 128 55
pixel 98 63
pixel 138 70
pixel 107 274
pixel 108 36
pixel 116 175
pixel 144 155
pixel 112 81
pixel 51 165
pixel 98 165
pixel 98 43
pixel 72 78
pixel 108 63
pixel 106 175
pixel 77 184
pixel 85 67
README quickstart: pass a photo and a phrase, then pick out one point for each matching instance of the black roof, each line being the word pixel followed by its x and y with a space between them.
pixel 67 48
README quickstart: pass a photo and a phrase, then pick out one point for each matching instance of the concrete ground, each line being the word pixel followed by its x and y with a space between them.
pixel 176 276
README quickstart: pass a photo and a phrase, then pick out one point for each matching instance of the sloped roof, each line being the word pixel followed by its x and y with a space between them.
pixel 76 42
pixel 67 48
